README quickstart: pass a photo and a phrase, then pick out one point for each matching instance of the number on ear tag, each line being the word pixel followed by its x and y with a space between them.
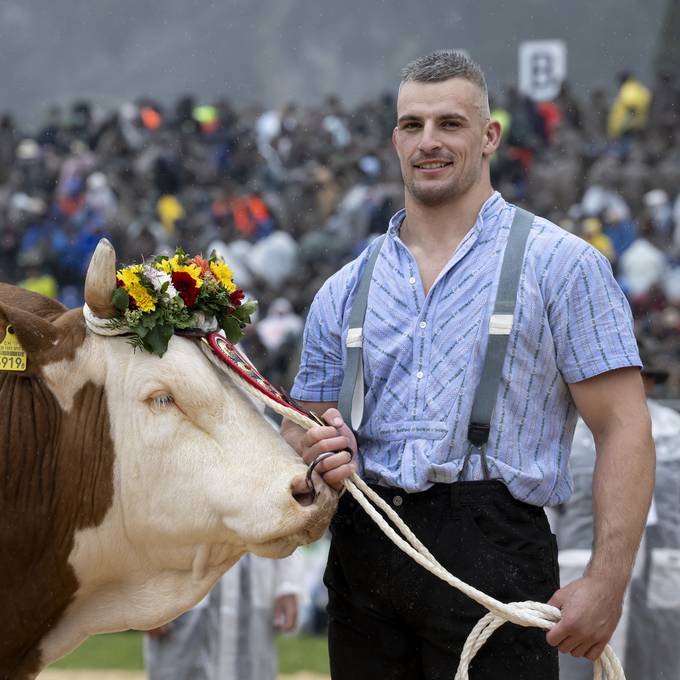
pixel 12 355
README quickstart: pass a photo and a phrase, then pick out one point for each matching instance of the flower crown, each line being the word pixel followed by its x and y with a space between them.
pixel 179 293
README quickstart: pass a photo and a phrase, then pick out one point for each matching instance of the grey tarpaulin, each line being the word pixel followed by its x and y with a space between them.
pixel 229 635
pixel 647 639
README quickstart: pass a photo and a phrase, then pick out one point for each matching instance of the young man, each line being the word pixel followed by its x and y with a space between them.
pixel 477 508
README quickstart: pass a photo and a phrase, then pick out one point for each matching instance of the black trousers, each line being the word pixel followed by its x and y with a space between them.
pixel 390 619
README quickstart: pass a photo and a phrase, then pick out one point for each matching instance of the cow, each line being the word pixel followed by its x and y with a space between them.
pixel 129 483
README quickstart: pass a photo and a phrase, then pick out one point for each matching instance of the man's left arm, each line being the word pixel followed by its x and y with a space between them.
pixel 614 407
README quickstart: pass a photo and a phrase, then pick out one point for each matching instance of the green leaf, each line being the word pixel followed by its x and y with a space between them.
pixel 232 328
pixel 120 299
pixel 244 312
pixel 157 339
pixel 149 319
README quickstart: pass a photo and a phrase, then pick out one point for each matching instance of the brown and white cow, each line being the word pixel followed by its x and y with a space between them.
pixel 128 483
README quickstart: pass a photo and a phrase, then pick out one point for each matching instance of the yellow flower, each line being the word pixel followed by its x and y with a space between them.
pixel 136 290
pixel 129 275
pixel 224 275
pixel 170 265
pixel 142 297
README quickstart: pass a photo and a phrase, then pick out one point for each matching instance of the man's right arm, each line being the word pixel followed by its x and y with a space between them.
pixel 334 437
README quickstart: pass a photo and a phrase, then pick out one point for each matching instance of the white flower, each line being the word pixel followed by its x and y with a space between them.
pixel 157 277
pixel 205 323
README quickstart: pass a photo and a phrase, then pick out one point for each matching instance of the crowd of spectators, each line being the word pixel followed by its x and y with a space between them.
pixel 289 195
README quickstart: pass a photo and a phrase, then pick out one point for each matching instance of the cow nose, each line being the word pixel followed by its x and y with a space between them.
pixel 302 494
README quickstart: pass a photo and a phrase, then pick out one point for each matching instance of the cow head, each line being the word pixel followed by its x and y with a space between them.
pixel 169 471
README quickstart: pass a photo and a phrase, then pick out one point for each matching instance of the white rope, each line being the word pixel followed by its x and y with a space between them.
pixel 528 614
pixel 101 326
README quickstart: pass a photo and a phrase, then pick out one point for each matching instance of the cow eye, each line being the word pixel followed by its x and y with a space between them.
pixel 163 400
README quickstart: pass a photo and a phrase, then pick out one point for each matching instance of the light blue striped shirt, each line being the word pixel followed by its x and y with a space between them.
pixel 423 355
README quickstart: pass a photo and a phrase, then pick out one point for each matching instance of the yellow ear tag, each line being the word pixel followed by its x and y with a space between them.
pixel 12 355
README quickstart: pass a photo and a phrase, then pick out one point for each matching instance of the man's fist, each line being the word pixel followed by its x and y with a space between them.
pixel 334 437
pixel 591 607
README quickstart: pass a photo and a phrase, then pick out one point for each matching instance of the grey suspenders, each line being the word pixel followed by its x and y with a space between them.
pixel 351 399
pixel 500 326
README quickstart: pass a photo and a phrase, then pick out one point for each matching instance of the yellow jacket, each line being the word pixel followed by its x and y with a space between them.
pixel 630 108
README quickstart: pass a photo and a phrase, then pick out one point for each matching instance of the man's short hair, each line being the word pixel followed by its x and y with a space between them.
pixel 442 65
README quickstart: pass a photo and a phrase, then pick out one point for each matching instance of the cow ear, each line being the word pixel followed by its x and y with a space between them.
pixel 35 335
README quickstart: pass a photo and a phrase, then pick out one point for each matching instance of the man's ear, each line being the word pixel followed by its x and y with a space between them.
pixel 35 335
pixel 492 137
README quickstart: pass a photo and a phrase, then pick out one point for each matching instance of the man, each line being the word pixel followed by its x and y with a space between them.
pixel 478 509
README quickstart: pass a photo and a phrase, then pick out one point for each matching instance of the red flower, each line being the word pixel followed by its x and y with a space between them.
pixel 236 297
pixel 186 287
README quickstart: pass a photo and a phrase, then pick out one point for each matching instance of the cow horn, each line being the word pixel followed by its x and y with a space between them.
pixel 100 281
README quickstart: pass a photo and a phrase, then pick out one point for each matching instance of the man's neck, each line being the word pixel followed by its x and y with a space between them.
pixel 444 226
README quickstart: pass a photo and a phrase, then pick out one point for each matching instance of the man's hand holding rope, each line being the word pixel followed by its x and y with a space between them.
pixel 335 438
pixel 591 607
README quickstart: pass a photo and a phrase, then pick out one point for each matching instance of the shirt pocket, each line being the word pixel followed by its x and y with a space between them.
pixel 413 429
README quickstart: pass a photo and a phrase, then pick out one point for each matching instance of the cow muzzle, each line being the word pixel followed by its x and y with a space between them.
pixel 318 503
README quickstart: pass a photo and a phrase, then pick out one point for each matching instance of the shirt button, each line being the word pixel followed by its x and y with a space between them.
pixel 397 501
pixel 412 280
pixel 419 375
pixel 423 324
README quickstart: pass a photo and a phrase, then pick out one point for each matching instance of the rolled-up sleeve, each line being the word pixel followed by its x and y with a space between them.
pixel 591 321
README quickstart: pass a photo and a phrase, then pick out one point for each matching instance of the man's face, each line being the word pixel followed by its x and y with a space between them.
pixel 442 137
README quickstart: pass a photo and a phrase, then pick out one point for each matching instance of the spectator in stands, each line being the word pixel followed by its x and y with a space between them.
pixel 629 111
pixel 316 178
pixel 591 231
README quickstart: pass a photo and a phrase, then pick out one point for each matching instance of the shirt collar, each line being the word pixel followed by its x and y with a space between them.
pixel 490 208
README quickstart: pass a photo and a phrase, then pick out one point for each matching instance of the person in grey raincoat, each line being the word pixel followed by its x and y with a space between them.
pixel 646 639
pixel 229 635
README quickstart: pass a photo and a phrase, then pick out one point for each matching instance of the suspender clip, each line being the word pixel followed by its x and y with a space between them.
pixel 478 434
pixel 355 337
pixel 500 324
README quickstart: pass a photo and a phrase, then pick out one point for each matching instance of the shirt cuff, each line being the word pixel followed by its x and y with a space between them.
pixel 590 371
pixel 302 394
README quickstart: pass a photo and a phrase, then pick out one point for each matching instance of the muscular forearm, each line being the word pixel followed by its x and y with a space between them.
pixel 623 482
pixel 622 488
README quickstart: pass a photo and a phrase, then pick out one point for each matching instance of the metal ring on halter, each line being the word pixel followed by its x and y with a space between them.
pixel 315 462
